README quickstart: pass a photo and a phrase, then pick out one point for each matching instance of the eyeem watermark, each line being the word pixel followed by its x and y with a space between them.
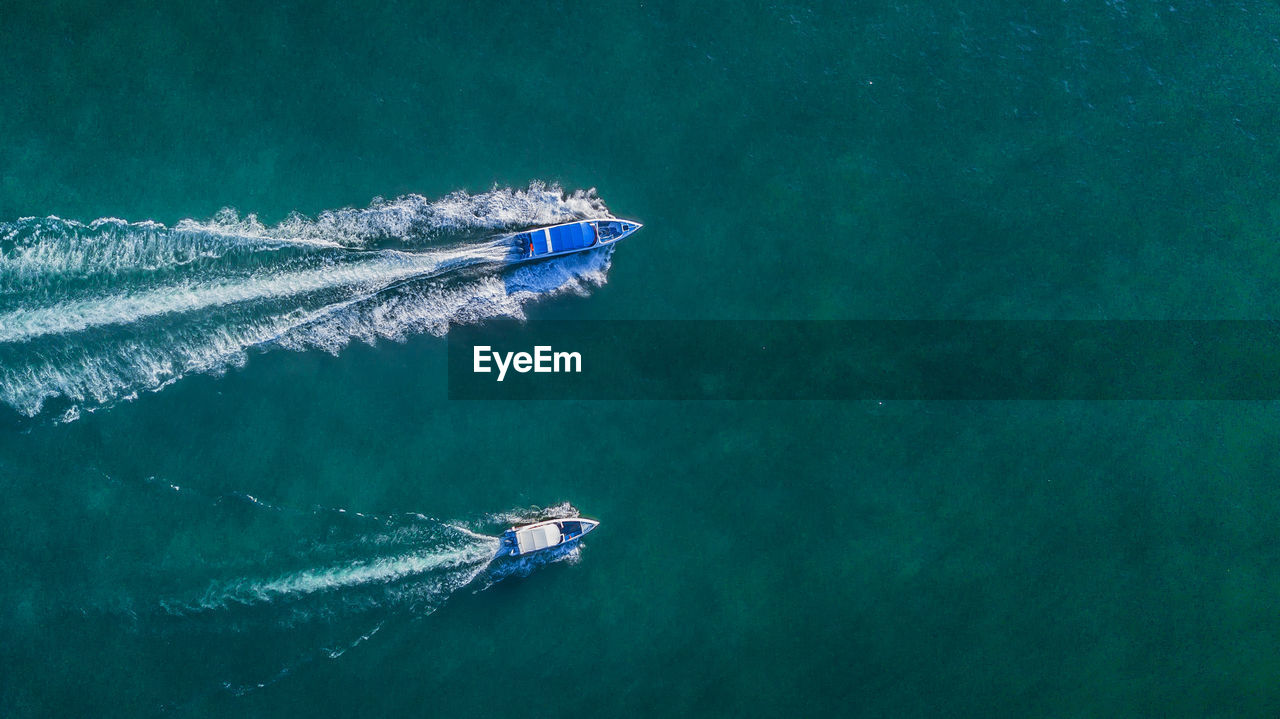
pixel 543 359
pixel 868 360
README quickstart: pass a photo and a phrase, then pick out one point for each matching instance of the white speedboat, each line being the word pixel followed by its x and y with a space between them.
pixel 570 237
pixel 535 537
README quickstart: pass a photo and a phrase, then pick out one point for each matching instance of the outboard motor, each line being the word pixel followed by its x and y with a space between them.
pixel 508 543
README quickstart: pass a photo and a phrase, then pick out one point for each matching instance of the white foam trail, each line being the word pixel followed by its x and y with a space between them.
pixel 526 515
pixel 97 313
pixel 406 560
pixel 369 569
pixel 103 373
pixel 413 215
pixel 432 309
pixel 34 249
pixel 123 309
pixel 380 571
pixel 335 653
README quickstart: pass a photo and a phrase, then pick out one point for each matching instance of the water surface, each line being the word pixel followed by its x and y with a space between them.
pixel 299 506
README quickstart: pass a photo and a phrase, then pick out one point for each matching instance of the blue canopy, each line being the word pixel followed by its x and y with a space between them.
pixel 572 237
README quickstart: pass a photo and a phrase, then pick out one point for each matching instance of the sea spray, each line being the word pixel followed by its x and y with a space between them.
pixel 322 596
pixel 92 313
pixel 363 561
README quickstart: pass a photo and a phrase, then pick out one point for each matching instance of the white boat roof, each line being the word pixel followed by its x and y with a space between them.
pixel 538 536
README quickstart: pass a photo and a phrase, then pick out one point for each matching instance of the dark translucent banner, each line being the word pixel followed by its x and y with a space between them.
pixel 860 360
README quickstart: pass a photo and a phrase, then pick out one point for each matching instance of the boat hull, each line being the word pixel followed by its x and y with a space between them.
pixel 549 534
pixel 569 238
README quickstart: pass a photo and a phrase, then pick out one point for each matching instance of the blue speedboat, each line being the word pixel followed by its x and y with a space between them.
pixel 535 537
pixel 570 237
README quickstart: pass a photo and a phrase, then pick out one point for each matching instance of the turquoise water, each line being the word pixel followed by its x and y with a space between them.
pixel 234 484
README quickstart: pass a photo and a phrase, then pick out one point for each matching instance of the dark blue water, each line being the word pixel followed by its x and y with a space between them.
pixel 233 483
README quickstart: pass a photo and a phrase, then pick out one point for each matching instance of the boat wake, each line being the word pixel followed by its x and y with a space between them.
pixel 320 599
pixel 415 565
pixel 368 562
pixel 94 313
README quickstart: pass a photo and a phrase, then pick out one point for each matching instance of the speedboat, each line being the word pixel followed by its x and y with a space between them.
pixel 519 541
pixel 570 237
